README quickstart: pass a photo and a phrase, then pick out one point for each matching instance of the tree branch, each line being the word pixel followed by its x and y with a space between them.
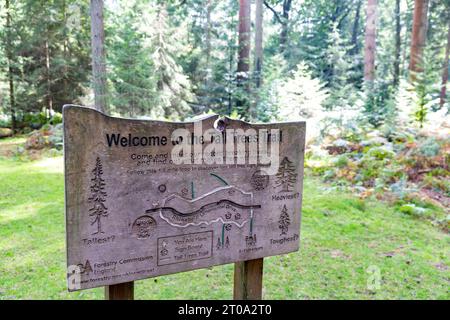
pixel 275 14
pixel 342 17
pixel 286 7
pixel 182 3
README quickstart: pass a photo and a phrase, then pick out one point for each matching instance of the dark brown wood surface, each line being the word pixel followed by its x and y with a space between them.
pixel 120 291
pixel 248 277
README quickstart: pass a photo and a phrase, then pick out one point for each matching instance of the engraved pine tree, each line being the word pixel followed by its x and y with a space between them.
pixel 286 177
pixel 284 221
pixel 98 197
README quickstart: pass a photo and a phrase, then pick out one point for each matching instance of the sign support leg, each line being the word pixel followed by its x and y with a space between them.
pixel 248 277
pixel 121 291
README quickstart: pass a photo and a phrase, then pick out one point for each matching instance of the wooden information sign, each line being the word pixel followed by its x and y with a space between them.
pixel 148 198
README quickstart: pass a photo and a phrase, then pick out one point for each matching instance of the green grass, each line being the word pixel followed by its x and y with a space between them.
pixel 341 237
pixel 9 145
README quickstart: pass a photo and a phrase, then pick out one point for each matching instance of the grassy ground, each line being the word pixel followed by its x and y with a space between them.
pixel 345 245
pixel 9 145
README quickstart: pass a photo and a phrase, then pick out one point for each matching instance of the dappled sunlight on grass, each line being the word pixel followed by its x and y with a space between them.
pixel 55 165
pixel 19 212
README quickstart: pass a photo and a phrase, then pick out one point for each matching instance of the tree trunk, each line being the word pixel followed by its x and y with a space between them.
pixel 258 51
pixel 370 41
pixel 243 67
pixel 244 36
pixel 355 29
pixel 283 20
pixel 418 38
pixel 285 25
pixel 258 42
pixel 12 103
pixel 98 54
pixel 445 72
pixel 208 33
pixel 398 29
pixel 207 73
pixel 48 75
pixel 65 47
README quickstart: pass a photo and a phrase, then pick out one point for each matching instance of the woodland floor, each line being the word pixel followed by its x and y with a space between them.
pixel 346 243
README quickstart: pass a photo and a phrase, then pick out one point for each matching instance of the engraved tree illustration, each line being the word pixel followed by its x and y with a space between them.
pixel 286 176
pixel 98 197
pixel 284 221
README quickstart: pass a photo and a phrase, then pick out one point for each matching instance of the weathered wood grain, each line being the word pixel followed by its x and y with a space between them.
pixel 120 291
pixel 248 276
pixel 131 213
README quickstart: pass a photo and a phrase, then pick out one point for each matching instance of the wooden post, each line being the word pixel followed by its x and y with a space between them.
pixel 248 277
pixel 121 291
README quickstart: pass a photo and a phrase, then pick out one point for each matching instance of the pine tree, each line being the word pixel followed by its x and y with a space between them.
pixel 339 73
pixel 425 83
pixel 173 92
pixel 284 221
pixel 378 104
pixel 286 176
pixel 131 67
pixel 50 54
pixel 422 96
pixel 98 197
pixel 301 95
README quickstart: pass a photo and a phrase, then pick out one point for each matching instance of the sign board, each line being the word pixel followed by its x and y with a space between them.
pixel 148 198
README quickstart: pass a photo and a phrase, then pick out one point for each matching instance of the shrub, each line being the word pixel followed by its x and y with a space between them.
pixel 429 148
pixel 401 188
pixel 5 132
pixel 37 140
pixel 341 161
pixel 412 209
pixel 378 104
pixel 329 175
pixel 380 153
pixel 437 184
pixel 56 118
pixel 5 122
pixel 34 120
pixel 56 136
pixel 301 95
pixel 47 137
